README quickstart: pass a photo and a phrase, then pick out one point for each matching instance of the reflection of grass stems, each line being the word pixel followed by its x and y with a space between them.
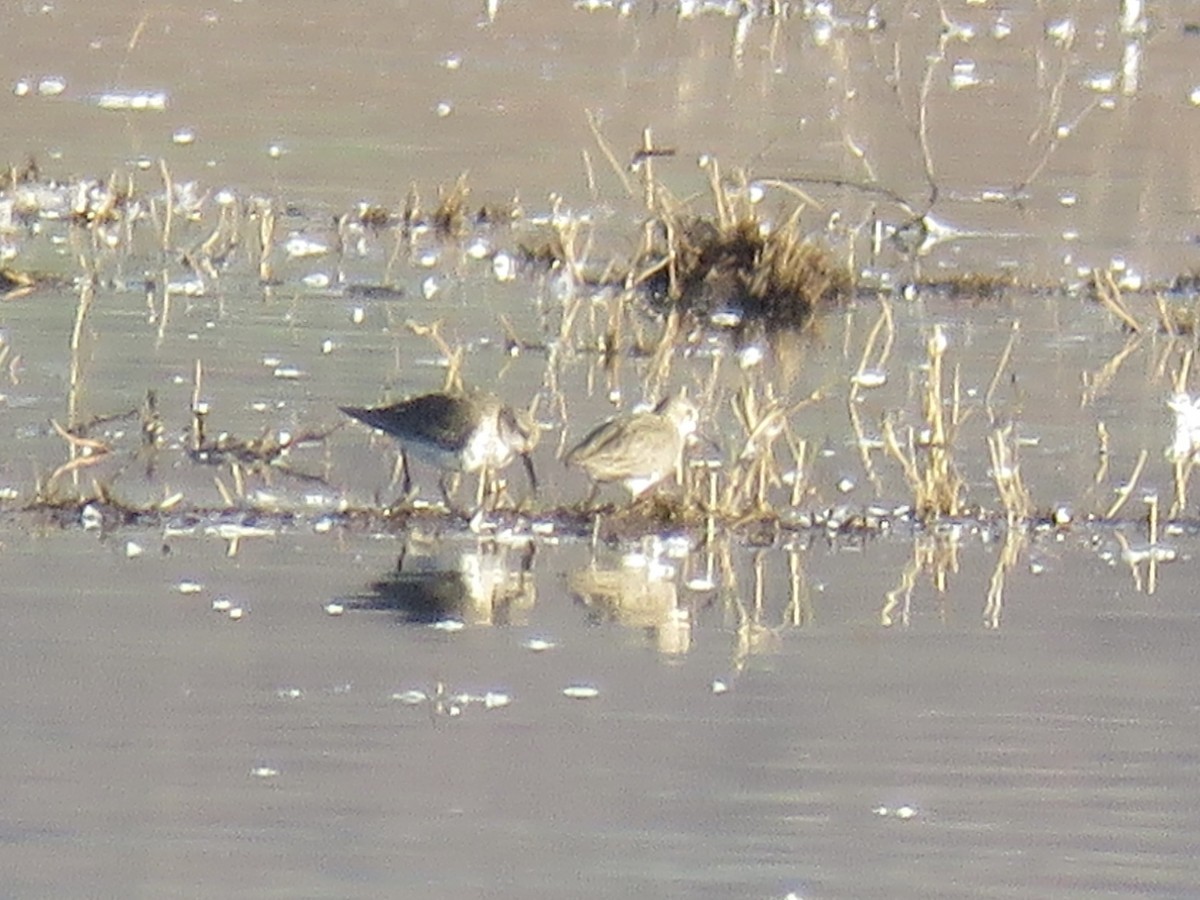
pixel 1125 490
pixel 799 609
pixel 1181 473
pixel 1101 455
pixel 856 386
pixel 266 240
pixel 1099 382
pixel 1015 539
pixel 199 410
pixel 1005 358
pixel 899 599
pixel 606 149
pixel 168 204
pixel 1152 525
pixel 1108 293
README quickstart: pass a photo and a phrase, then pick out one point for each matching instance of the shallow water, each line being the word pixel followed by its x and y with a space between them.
pixel 967 710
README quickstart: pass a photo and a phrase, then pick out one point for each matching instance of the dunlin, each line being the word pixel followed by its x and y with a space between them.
pixel 638 450
pixel 455 433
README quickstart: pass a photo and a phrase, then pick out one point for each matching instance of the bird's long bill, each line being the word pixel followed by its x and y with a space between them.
pixel 528 461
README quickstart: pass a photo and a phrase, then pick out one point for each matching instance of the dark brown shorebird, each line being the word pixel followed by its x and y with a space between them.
pixel 637 449
pixel 455 433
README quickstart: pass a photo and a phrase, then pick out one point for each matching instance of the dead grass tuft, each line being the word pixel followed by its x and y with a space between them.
pixel 735 260
pixel 972 285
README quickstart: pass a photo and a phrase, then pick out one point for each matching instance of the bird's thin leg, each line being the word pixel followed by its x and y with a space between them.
pixel 589 502
pixel 448 489
pixel 402 469
pixel 485 477
pixel 406 482
pixel 533 482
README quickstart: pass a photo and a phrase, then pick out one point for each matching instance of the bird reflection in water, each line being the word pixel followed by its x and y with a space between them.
pixel 486 584
pixel 639 591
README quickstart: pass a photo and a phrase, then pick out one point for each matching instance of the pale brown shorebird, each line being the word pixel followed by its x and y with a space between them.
pixel 455 433
pixel 637 449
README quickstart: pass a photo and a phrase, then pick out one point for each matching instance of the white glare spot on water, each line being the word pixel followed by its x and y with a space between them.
pixel 539 645
pixel 726 318
pixel 1194 96
pixel 298 246
pixel 1131 67
pixel 869 378
pixel 183 136
pixel 90 518
pixel 275 151
pixel 1186 442
pixel 292 693
pixel 411 698
pixel 581 692
pixel 503 267
pixel 1061 31
pixel 51 86
pixel 443 109
pixel 145 101
pixel 452 62
pixel 749 356
pixel 264 772
pixel 964 75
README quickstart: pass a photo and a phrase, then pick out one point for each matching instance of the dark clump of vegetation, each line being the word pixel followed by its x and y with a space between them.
pixel 1187 283
pixel 452 217
pixel 24 174
pixel 972 285
pixel 773 275
pixel 735 261
pixel 14 284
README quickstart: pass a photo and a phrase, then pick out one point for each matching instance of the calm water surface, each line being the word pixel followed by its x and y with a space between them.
pixel 962 712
